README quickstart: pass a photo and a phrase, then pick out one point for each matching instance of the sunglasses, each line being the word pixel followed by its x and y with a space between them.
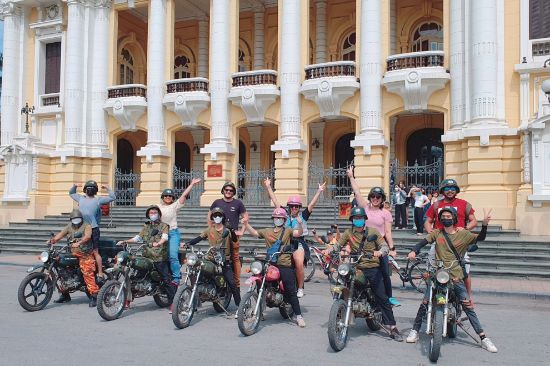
pixel 378 197
pixel 229 190
pixel 293 206
pixel 217 216
pixel 449 189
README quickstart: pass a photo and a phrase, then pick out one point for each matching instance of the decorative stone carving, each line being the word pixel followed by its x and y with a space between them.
pixel 187 98
pixel 127 104
pixel 254 92
pixel 18 173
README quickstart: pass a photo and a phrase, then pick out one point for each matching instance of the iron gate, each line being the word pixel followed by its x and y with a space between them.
pixel 126 188
pixel 251 188
pixel 338 187
pixel 425 176
pixel 183 179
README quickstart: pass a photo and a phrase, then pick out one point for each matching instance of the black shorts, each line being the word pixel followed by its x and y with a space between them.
pixel 95 238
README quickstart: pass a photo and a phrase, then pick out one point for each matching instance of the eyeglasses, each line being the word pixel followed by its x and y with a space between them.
pixel 229 190
pixel 449 189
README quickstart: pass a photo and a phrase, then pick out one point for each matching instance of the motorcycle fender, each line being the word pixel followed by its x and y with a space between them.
pixel 252 279
pixel 35 267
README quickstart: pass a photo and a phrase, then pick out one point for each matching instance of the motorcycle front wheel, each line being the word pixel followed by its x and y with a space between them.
pixel 224 298
pixel 337 332
pixel 248 322
pixel 35 291
pixel 108 307
pixel 452 327
pixel 184 307
pixel 437 335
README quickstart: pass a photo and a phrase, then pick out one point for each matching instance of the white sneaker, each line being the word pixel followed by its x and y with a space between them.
pixel 237 314
pixel 300 321
pixel 488 345
pixel 412 337
pixel 300 292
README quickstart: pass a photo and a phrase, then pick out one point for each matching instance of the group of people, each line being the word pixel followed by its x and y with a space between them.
pixel 449 221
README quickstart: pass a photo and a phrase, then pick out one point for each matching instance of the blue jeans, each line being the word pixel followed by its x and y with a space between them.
pixel 173 250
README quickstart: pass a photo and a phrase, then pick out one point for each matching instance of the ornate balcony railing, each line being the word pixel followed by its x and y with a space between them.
pixel 541 47
pixel 48 100
pixel 128 90
pixel 256 77
pixel 187 85
pixel 415 59
pixel 329 69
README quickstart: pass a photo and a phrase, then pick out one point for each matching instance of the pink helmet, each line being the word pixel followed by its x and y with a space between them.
pixel 280 212
pixel 294 200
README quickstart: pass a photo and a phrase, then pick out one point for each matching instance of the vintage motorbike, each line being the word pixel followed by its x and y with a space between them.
pixel 204 273
pixel 265 290
pixel 133 276
pixel 58 268
pixel 353 298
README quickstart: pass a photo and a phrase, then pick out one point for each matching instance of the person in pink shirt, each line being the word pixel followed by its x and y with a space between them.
pixel 381 220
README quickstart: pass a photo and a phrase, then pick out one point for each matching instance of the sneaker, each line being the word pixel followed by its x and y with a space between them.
pixel 395 335
pixel 393 301
pixel 301 322
pixel 300 292
pixel 488 345
pixel 412 337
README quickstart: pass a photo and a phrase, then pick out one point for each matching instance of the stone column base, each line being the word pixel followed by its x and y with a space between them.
pixel 371 170
pixel 291 175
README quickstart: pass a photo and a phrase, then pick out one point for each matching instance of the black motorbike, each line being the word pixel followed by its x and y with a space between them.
pixel 133 276
pixel 204 272
pixel 58 268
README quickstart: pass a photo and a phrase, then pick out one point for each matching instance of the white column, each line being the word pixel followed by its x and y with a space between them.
pixel 11 102
pixel 255 133
pixel 74 74
pixel 321 31
pixel 259 56
pixel 290 71
pixel 156 55
pixel 97 136
pixel 483 61
pixel 203 49
pixel 370 74
pixel 457 63
pixel 219 79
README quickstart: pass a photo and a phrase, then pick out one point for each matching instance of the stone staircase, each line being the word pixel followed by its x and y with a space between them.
pixel 504 252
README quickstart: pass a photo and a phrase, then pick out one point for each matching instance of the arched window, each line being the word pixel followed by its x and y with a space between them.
pixel 126 67
pixel 181 67
pixel 427 37
pixel 348 47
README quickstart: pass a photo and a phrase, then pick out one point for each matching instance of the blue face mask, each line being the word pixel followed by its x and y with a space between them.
pixel 358 222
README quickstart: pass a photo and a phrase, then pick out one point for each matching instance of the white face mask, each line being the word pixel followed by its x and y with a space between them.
pixel 278 221
pixel 218 219
pixel 154 217
pixel 76 221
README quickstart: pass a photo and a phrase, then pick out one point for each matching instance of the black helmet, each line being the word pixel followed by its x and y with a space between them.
pixel 357 211
pixel 90 184
pixel 75 214
pixel 219 211
pixel 451 210
pixel 377 191
pixel 168 192
pixel 153 207
pixel 229 184
pixel 449 183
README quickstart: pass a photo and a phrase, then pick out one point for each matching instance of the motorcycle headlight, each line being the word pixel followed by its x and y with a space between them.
pixel 121 257
pixel 44 256
pixel 442 277
pixel 256 268
pixel 343 269
pixel 192 259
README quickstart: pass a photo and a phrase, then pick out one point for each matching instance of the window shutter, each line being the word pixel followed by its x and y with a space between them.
pixel 53 68
pixel 539 19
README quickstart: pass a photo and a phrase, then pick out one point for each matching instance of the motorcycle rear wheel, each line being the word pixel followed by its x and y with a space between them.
pixel 437 336
pixel 225 299
pixel 337 333
pixel 107 305
pixel 41 297
pixel 184 307
pixel 161 299
pixel 247 322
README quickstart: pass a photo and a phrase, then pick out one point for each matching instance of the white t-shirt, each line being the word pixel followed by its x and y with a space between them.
pixel 419 200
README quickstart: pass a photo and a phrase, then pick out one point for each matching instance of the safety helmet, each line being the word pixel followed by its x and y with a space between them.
pixel 229 184
pixel 91 184
pixel 377 191
pixel 168 192
pixel 153 207
pixel 279 212
pixel 449 183
pixel 357 211
pixel 75 214
pixel 294 200
pixel 219 211
pixel 451 210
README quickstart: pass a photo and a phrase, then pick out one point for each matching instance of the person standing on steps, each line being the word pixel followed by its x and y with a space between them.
pixel 90 206
pixel 169 208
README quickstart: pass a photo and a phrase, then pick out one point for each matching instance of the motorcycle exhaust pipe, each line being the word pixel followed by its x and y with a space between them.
pixel 429 315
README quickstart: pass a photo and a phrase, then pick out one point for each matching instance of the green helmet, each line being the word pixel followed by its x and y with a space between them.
pixel 168 192
pixel 229 184
pixel 153 207
pixel 90 184
pixel 451 210
pixel 219 211
pixel 449 182
pixel 357 211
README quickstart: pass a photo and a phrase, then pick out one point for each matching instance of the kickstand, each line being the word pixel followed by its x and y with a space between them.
pixel 224 309
pixel 465 329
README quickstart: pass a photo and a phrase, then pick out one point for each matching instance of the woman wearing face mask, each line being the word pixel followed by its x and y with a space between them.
pixel 218 235
pixel 284 261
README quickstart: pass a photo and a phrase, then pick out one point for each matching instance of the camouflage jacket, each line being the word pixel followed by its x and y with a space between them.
pixel 160 253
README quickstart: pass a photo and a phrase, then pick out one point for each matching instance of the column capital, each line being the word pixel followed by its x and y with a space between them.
pixel 10 8
pixel 101 3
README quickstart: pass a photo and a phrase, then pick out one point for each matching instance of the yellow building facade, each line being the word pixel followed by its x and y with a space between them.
pixel 143 95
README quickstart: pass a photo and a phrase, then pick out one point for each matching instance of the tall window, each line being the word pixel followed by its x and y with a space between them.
pixel 539 19
pixel 427 37
pixel 53 68
pixel 126 67
pixel 181 67
pixel 348 48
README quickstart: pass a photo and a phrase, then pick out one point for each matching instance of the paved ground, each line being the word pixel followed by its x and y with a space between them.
pixel 145 335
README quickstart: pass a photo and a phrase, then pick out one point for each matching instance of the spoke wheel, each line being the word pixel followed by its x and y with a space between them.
pixel 337 332
pixel 437 336
pixel 311 265
pixel 415 275
pixel 248 322
pixel 108 307
pixel 35 291
pixel 184 307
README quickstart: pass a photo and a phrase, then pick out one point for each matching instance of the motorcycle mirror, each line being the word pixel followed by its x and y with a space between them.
pixel 154 232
